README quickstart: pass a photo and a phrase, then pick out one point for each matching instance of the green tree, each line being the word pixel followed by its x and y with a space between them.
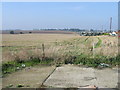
pixel 11 32
pixel 30 32
pixel 21 32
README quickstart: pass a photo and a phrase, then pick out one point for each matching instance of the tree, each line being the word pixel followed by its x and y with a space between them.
pixel 11 32
pixel 91 30
pixel 21 32
pixel 30 32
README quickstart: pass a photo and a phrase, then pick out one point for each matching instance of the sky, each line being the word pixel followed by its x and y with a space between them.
pixel 119 16
pixel 44 15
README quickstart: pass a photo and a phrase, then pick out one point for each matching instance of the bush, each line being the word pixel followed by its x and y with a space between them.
pixel 96 61
pixel 70 60
pixel 30 32
pixel 105 34
pixel 11 32
pixel 20 85
pixel 9 86
pixel 21 33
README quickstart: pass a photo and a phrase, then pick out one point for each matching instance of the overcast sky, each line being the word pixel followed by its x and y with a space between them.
pixel 83 15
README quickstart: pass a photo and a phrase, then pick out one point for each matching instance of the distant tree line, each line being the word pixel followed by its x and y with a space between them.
pixel 65 29
pixel 74 30
pixel 12 32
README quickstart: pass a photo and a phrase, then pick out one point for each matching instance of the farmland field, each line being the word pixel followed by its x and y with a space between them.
pixel 56 45
pixel 56 50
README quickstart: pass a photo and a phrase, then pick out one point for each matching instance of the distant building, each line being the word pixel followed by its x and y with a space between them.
pixel 113 33
pixel 91 33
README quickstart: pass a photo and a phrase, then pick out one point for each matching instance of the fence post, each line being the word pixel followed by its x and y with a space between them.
pixel 93 49
pixel 75 44
pixel 43 53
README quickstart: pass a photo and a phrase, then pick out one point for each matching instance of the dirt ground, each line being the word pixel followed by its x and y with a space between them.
pixel 29 77
pixel 66 76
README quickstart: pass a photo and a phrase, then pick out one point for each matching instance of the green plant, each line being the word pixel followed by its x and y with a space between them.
pixel 20 85
pixel 13 66
pixel 9 86
pixel 98 43
pixel 58 65
pixel 105 34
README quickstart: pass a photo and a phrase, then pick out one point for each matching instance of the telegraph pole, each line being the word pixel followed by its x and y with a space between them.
pixel 102 28
pixel 110 23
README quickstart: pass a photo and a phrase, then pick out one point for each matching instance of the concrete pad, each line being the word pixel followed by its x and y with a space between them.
pixel 68 76
pixel 32 77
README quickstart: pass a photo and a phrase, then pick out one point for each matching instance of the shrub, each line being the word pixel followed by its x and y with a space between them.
pixel 9 86
pixel 105 34
pixel 20 85
pixel 21 33
pixel 11 32
pixel 30 32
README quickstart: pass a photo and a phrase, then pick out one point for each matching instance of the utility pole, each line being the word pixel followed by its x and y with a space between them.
pixel 102 28
pixel 110 23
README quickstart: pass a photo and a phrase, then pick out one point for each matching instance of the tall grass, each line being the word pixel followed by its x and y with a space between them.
pixel 67 58
pixel 73 51
pixel 98 43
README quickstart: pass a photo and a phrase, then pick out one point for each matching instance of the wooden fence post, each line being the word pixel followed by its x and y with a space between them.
pixel 43 53
pixel 93 49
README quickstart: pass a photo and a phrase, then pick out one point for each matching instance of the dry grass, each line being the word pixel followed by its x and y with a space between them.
pixel 33 39
pixel 57 46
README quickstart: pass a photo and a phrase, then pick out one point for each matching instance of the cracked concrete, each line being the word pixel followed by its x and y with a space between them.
pixel 75 76
pixel 66 76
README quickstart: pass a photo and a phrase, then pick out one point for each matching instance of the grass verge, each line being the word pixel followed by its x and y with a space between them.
pixel 13 66
pixel 94 62
pixel 82 59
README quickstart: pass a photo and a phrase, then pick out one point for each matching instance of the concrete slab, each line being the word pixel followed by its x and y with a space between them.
pixel 30 77
pixel 68 76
